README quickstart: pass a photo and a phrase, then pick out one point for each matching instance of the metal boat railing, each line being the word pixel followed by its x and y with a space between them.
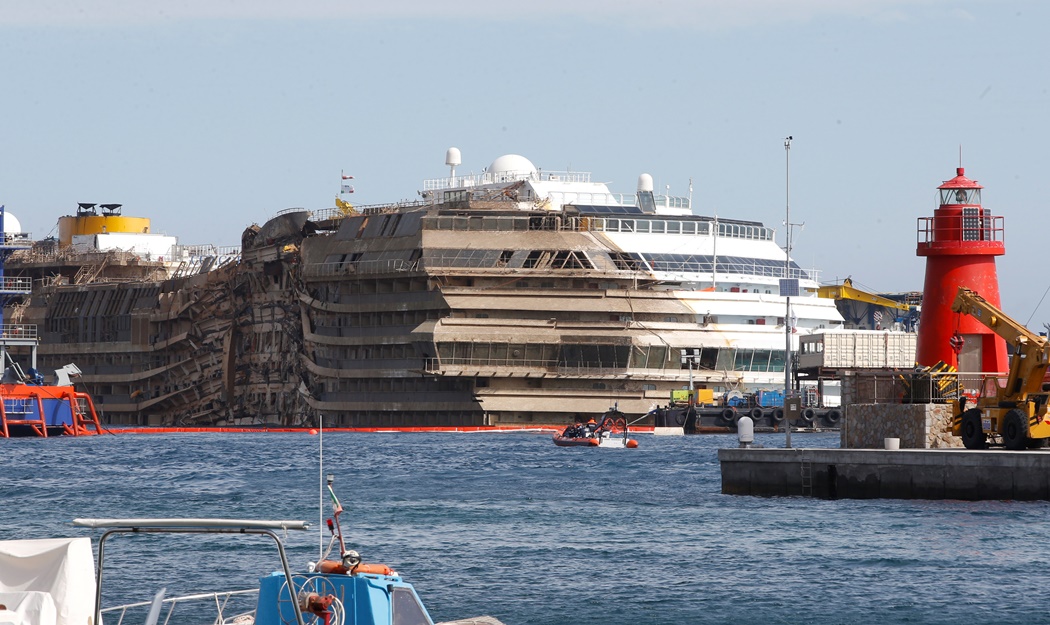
pixel 221 602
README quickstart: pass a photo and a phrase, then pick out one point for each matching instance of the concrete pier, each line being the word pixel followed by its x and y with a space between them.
pixel 884 474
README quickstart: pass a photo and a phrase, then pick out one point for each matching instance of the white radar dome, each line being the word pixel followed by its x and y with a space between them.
pixel 512 163
pixel 11 224
pixel 452 157
pixel 645 183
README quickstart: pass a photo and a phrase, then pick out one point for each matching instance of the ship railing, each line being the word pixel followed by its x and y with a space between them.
pixel 733 268
pixel 12 284
pixel 492 223
pixel 327 214
pixel 484 178
pixel 19 240
pixel 233 606
pixel 19 331
pixel 437 365
pixel 205 250
pixel 331 270
pixel 549 366
pixel 667 224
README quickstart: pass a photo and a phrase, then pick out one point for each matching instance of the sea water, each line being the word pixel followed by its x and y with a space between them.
pixel 510 525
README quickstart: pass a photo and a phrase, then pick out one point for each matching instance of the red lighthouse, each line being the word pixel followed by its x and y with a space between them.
pixel 960 243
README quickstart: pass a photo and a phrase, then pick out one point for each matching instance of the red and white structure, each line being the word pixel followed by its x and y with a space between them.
pixel 960 243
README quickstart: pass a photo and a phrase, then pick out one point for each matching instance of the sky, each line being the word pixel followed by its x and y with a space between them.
pixel 210 115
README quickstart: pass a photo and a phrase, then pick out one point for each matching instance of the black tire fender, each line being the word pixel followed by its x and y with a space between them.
pixel 728 416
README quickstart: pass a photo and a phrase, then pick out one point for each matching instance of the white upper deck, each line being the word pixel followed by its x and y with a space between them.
pixel 550 189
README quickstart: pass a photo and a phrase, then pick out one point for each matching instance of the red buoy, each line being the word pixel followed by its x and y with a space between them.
pixel 960 243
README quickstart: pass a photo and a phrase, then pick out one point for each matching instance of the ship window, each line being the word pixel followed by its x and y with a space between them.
pixel 760 361
pixel 406 609
pixel 776 360
pixel 726 359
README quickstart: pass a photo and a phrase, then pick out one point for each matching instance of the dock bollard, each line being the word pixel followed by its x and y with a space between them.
pixel 745 431
pixel 892 443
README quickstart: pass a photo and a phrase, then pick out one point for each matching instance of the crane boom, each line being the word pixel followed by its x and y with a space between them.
pixel 1017 412
pixel 1031 355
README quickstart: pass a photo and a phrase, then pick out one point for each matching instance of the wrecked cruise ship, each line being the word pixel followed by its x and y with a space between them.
pixel 512 297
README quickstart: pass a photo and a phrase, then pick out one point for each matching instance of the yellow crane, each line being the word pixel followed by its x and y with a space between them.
pixel 1017 411
pixel 860 308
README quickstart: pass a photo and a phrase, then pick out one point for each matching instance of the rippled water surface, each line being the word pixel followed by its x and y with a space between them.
pixel 512 526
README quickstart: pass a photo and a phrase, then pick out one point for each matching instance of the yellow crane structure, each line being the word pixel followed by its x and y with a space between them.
pixel 1015 412
pixel 861 305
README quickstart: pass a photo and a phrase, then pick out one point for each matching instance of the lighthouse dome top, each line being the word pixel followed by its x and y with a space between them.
pixel 960 190
pixel 960 181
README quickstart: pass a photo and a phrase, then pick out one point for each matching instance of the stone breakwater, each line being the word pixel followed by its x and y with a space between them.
pixel 918 426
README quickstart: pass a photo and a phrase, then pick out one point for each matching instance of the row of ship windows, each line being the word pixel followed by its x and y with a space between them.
pixel 656 226
pixel 609 356
pixel 624 261
pixel 505 223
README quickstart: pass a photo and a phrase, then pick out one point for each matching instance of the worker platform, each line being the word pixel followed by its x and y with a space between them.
pixel 971 475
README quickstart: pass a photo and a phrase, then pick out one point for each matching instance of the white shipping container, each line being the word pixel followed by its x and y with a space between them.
pixel 859 349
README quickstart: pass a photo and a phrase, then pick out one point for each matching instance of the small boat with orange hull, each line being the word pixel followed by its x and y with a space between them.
pixel 609 431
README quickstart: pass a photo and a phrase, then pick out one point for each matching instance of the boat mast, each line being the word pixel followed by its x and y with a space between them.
pixel 787 276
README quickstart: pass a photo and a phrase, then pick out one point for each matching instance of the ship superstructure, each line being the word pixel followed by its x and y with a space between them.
pixel 514 296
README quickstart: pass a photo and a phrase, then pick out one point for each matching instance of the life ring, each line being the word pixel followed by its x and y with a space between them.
pixel 778 415
pixel 808 414
pixel 756 413
pixel 728 415
pixel 834 416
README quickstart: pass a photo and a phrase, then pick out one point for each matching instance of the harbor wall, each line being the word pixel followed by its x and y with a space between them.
pixel 884 474
pixel 918 426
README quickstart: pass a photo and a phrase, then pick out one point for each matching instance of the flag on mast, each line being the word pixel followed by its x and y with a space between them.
pixel 336 506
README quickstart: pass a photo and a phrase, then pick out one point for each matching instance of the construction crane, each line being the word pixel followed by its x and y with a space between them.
pixel 866 303
pixel 1016 412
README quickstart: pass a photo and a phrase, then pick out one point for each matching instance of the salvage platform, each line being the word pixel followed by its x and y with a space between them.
pixel 887 474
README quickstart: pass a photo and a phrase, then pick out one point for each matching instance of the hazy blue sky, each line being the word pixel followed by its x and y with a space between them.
pixel 209 115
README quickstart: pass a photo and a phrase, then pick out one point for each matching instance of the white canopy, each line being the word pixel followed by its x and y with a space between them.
pixel 47 582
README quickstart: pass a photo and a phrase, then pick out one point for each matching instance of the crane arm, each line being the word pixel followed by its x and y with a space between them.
pixel 846 290
pixel 1031 353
